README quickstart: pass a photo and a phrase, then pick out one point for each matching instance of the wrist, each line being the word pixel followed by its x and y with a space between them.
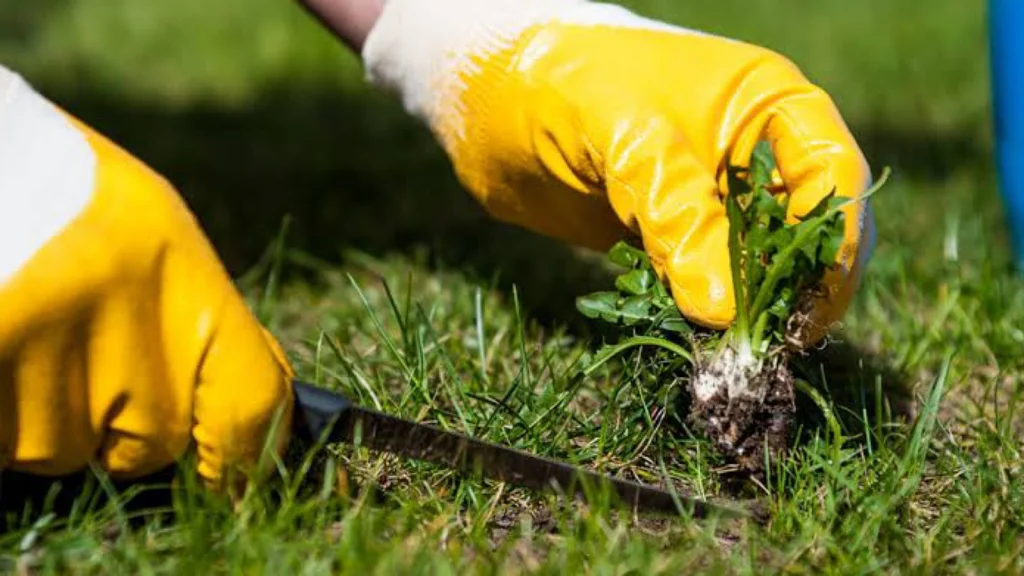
pixel 349 20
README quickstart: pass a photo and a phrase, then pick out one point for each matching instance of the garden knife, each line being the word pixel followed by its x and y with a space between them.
pixel 326 416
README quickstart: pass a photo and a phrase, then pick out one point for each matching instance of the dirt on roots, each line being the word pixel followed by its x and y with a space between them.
pixel 743 425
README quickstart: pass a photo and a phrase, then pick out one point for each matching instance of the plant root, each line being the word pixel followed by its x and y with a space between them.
pixel 745 408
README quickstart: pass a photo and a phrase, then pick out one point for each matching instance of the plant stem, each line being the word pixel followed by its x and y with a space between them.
pixel 827 412
pixel 741 327
pixel 757 336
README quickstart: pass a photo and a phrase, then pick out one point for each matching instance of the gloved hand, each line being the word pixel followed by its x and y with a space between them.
pixel 122 338
pixel 586 122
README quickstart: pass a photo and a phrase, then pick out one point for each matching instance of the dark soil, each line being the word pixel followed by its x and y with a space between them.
pixel 742 427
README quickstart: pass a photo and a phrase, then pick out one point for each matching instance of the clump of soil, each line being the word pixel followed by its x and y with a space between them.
pixel 744 408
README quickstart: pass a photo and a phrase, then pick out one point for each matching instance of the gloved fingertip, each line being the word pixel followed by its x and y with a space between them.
pixel 243 402
pixel 708 300
pixel 700 275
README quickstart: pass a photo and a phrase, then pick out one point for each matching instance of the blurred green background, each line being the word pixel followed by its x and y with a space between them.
pixel 254 112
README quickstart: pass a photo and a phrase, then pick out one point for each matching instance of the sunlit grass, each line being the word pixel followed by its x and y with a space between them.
pixel 909 455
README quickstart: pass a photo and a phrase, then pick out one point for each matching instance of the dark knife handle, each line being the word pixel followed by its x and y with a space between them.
pixel 316 412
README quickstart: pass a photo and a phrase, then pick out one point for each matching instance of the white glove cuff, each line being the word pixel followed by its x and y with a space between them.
pixel 47 172
pixel 418 48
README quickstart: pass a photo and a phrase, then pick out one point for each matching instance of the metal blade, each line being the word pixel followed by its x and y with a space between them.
pixel 325 415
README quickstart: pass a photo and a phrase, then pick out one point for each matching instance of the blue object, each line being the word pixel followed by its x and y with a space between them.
pixel 1006 38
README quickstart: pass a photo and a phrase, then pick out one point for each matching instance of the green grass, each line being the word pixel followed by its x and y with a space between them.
pixel 255 113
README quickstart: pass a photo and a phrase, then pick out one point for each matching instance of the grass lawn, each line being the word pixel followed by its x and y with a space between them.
pixel 909 462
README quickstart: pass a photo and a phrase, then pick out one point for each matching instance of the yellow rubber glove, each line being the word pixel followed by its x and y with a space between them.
pixel 588 123
pixel 122 338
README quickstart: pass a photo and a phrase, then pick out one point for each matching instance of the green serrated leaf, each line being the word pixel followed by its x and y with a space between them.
pixel 779 239
pixel 809 248
pixel 636 282
pixel 675 325
pixel 785 267
pixel 830 205
pixel 762 163
pixel 669 319
pixel 835 203
pixel 768 207
pixel 758 241
pixel 663 301
pixel 598 305
pixel 830 246
pixel 781 308
pixel 635 310
pixel 625 255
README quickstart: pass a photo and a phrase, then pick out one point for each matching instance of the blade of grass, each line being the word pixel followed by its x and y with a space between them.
pixel 480 339
pixel 612 351
pixel 266 308
pixel 381 331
